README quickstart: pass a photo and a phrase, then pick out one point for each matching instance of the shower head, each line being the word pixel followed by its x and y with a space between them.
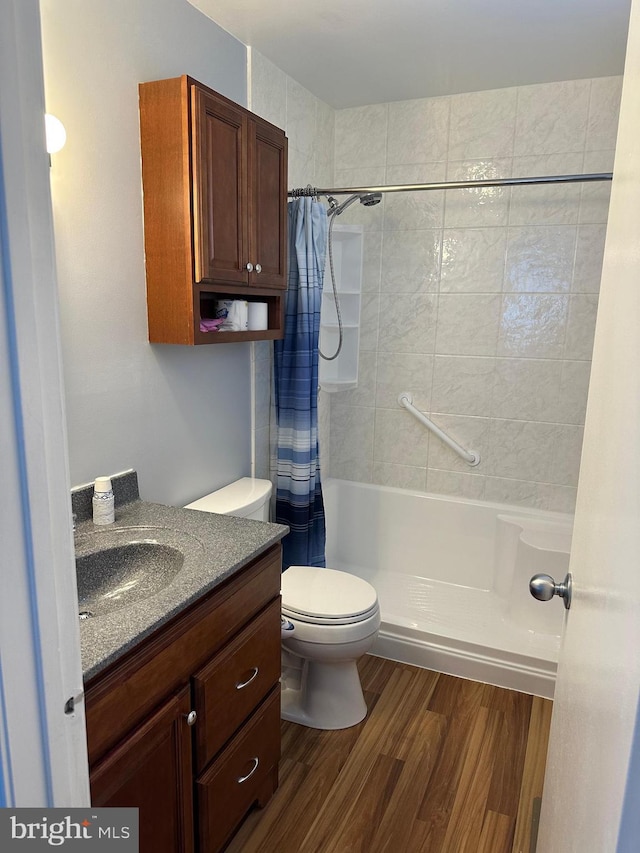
pixel 367 199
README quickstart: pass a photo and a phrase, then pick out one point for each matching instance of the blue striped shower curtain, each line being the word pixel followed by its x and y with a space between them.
pixel 298 491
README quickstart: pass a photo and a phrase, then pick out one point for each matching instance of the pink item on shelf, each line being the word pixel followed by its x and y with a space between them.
pixel 211 325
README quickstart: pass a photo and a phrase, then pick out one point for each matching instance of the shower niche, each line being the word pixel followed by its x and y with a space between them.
pixel 341 373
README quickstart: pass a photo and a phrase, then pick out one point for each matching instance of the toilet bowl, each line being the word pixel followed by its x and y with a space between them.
pixel 330 619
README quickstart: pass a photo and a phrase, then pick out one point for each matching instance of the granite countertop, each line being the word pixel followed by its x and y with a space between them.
pixel 214 548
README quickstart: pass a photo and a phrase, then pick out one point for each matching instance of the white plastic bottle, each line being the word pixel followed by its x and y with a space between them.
pixel 103 502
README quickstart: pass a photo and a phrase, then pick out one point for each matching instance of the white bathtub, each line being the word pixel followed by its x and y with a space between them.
pixel 452 577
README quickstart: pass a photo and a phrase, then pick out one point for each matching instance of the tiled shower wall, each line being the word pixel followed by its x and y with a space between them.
pixel 480 303
pixel 309 125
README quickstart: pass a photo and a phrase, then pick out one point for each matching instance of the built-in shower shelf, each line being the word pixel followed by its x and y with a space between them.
pixel 341 373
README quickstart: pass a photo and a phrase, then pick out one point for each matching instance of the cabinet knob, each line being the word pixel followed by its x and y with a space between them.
pixel 191 717
pixel 258 268
pixel 249 267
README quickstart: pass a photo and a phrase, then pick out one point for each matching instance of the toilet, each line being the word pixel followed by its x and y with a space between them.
pixel 329 620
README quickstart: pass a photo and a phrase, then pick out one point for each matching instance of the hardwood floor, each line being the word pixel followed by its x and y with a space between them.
pixel 440 765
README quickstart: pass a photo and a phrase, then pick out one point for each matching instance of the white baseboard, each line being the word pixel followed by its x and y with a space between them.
pixel 502 669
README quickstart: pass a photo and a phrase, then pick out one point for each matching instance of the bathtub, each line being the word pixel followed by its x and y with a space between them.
pixel 452 577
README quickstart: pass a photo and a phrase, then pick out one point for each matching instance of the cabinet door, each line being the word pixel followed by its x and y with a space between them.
pixel 152 770
pixel 220 202
pixel 268 207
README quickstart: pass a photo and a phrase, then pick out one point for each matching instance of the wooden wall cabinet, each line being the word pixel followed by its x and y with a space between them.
pixel 194 782
pixel 215 210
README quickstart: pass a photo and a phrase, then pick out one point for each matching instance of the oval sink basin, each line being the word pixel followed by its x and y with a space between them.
pixel 121 567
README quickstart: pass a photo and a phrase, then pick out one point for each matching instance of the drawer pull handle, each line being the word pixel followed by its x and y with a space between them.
pixel 253 675
pixel 242 779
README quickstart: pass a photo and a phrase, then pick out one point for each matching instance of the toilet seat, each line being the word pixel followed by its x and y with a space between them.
pixel 319 596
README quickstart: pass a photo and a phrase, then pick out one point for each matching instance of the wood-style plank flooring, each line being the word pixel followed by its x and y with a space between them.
pixel 440 765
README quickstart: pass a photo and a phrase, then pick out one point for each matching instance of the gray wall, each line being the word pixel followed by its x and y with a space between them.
pixel 179 415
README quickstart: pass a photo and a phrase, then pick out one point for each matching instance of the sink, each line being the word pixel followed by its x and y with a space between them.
pixel 121 567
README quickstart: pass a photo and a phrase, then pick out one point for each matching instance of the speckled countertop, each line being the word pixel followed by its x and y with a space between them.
pixel 214 548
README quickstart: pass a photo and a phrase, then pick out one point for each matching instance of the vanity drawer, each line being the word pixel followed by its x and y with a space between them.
pixel 246 772
pixel 235 681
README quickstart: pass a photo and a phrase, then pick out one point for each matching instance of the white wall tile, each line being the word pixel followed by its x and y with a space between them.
pixel 604 110
pixel 361 136
pixel 371 261
pixel 462 385
pixel 455 483
pixel 471 433
pixel 369 321
pixel 411 261
pixel 301 117
pixel 581 325
pixel 546 204
pixel 418 131
pixel 468 324
pixel 552 117
pixel 473 260
pixel 351 434
pixel 496 343
pixel 402 371
pixel 526 389
pixel 268 90
pixel 589 256
pixel 400 439
pixel 412 211
pixel 482 124
pixel 517 492
pixel 399 476
pixel 471 208
pixel 533 325
pixel 540 259
pixel 407 323
pixel 521 450
pixel 594 200
pixel 365 393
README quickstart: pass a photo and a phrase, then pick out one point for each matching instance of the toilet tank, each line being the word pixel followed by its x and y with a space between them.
pixel 248 498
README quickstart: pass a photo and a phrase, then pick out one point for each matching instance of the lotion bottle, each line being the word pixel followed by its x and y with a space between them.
pixel 103 502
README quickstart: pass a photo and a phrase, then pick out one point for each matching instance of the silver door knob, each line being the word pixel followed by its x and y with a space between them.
pixel 249 267
pixel 191 717
pixel 258 268
pixel 543 587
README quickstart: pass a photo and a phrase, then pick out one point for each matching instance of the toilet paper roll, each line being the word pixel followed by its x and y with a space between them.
pixel 234 313
pixel 258 316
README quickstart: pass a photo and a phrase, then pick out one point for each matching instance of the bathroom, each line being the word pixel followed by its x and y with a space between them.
pixel 205 411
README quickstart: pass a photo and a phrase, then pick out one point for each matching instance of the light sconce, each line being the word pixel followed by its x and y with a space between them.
pixel 56 135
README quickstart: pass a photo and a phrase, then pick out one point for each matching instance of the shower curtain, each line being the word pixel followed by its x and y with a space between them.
pixel 298 491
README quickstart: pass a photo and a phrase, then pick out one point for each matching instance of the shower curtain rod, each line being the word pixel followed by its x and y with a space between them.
pixel 452 185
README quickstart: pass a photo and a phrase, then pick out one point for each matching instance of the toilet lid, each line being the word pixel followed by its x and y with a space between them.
pixel 326 593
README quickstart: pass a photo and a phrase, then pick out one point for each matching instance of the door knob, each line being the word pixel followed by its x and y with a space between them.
pixel 249 267
pixel 543 587
pixel 258 268
pixel 191 717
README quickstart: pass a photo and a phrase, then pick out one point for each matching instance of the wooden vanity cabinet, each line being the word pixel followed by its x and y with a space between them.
pixel 221 660
pixel 215 210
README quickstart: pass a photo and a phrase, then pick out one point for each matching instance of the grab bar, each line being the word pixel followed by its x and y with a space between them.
pixel 405 399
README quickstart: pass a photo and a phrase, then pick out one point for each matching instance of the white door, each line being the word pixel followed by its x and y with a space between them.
pixel 596 700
